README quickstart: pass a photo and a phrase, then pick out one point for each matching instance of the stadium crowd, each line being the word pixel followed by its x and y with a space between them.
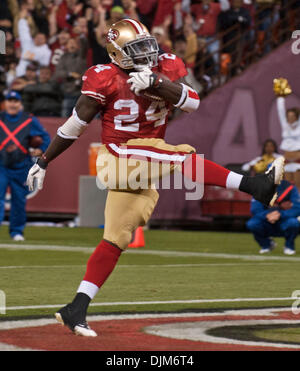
pixel 50 43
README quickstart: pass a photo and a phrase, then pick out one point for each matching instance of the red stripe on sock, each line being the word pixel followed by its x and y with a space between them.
pixel 101 263
pixel 214 174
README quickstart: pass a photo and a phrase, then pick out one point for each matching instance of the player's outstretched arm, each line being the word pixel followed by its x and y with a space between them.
pixel 179 93
pixel 85 110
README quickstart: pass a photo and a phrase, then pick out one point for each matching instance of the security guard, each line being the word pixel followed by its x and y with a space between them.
pixel 282 220
pixel 18 132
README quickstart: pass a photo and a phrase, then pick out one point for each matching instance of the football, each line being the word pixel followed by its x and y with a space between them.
pixel 152 93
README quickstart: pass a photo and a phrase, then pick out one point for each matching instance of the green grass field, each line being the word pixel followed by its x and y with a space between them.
pixel 164 270
pixel 291 335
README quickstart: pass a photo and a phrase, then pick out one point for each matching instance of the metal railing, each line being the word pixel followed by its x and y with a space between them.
pixel 247 46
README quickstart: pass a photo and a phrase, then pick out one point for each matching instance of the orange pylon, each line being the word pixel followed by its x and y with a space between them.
pixel 138 239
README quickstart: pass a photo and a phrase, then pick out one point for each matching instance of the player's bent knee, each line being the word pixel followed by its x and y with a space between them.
pixel 125 211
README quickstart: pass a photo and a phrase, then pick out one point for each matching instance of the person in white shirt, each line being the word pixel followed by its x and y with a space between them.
pixel 32 49
pixel 260 164
pixel 290 128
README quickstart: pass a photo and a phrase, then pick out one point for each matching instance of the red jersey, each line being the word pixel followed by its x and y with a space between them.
pixel 57 52
pixel 208 18
pixel 125 115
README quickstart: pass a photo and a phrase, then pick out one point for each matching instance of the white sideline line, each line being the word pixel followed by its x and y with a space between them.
pixel 201 301
pixel 39 266
pixel 12 324
pixel 137 265
pixel 145 251
pixel 215 255
pixel 8 246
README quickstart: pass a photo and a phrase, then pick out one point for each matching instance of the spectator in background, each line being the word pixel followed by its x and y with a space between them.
pixel 163 41
pixel 32 49
pixel 97 36
pixel 107 4
pixel 29 78
pixel 39 10
pixel 80 26
pixel 58 39
pixel 58 44
pixel 206 15
pixel 7 64
pixel 67 13
pixel 251 7
pixel 19 11
pixel 180 49
pixel 2 83
pixel 116 14
pixel 260 164
pixel 9 49
pixel 192 42
pixel 164 10
pixel 147 10
pixel 69 71
pixel 234 41
pixel 290 130
pixel 278 221
pixel 267 14
pixel 11 73
pixel 15 159
pixel 44 97
pixel 129 7
pixel 181 11
pixel 5 16
pixel 205 68
pixel 94 4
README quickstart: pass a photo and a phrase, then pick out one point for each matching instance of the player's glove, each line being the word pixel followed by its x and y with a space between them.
pixel 281 87
pixel 36 176
pixel 141 80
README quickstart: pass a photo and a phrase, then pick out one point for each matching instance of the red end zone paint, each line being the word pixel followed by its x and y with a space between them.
pixel 129 335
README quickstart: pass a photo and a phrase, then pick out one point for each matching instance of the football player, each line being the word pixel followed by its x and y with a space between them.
pixel 134 94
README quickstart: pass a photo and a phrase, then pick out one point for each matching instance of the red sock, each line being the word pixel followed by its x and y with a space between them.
pixel 101 263
pixel 214 174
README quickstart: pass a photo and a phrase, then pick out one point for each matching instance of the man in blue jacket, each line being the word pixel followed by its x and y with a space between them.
pixel 18 132
pixel 278 221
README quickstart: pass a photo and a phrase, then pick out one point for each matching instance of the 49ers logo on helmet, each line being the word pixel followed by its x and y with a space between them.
pixel 112 35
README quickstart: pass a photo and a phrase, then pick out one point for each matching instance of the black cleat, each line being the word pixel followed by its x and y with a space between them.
pixel 67 317
pixel 263 187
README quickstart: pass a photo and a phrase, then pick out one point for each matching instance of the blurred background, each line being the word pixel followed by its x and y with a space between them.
pixel 232 49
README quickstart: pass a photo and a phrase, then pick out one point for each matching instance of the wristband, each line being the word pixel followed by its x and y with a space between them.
pixel 42 162
pixel 182 97
pixel 189 100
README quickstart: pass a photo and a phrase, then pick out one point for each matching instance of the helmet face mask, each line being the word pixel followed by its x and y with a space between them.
pixel 130 45
pixel 143 52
